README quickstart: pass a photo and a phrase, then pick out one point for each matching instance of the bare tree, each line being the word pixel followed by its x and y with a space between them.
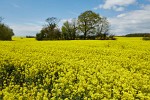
pixel 52 22
pixel 74 28
pixel 103 27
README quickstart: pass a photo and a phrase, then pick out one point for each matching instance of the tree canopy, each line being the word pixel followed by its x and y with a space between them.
pixel 6 33
pixel 87 22
pixel 69 30
pixel 50 30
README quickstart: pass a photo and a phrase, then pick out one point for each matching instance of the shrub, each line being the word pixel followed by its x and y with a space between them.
pixel 146 38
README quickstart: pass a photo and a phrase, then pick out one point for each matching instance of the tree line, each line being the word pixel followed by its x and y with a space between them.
pixel 138 35
pixel 89 25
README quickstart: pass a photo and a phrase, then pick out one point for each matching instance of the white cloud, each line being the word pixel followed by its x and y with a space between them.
pixel 25 29
pixel 60 24
pixel 117 5
pixel 121 15
pixel 64 20
pixel 131 22
pixel 118 8
pixel 31 28
pixel 147 7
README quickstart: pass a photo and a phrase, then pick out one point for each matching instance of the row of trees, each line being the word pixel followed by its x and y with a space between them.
pixel 5 32
pixel 138 35
pixel 89 25
pixel 146 36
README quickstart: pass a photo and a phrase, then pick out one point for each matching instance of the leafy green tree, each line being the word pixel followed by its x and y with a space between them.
pixel 69 30
pixel 87 22
pixel 6 33
pixel 51 27
pixel 49 31
pixel 39 36
pixel 66 30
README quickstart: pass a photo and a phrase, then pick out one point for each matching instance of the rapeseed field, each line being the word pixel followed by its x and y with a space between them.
pixel 75 70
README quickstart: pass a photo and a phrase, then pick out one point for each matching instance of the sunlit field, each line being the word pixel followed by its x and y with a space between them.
pixel 75 70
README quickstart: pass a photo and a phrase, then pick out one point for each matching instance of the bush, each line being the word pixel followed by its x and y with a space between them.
pixel 5 32
pixel 146 38
pixel 39 36
pixel 30 36
pixel 112 37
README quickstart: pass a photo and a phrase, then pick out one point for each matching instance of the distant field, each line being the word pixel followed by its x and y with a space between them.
pixel 75 70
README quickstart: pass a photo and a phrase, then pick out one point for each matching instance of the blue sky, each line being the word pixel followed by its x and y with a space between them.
pixel 27 17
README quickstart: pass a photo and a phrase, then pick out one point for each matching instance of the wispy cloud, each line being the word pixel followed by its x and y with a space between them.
pixel 15 5
pixel 73 13
pixel 26 29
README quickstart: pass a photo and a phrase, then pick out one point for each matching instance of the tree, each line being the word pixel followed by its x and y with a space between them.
pixel 87 22
pixel 49 31
pixel 51 27
pixel 102 29
pixel 66 30
pixel 52 21
pixel 39 36
pixel 69 30
pixel 5 32
pixel 74 28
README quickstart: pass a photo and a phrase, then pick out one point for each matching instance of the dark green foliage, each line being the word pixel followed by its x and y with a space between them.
pixel 146 38
pixel 30 36
pixel 87 22
pixel 50 31
pixel 69 30
pixel 1 19
pixel 91 37
pixel 111 37
pixel 16 75
pixel 138 35
pixel 90 24
pixel 39 36
pixel 80 37
pixel 5 32
pixel 9 73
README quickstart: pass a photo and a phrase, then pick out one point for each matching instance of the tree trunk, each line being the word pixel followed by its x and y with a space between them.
pixel 85 35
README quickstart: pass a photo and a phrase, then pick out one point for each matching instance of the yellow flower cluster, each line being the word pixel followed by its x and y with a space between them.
pixel 75 70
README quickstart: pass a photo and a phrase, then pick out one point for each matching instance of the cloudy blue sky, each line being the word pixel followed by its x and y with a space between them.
pixel 27 17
